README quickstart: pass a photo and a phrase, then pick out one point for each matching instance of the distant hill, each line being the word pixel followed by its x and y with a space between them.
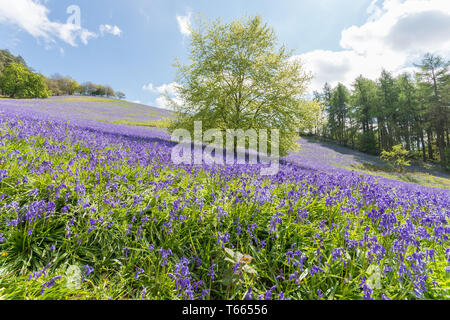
pixel 90 108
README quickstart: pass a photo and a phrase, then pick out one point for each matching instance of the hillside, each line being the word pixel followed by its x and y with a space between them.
pixel 325 156
pixel 88 108
pixel 313 154
pixel 105 199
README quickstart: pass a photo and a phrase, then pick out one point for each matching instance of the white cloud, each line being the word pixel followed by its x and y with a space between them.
pixel 184 22
pixel 32 16
pixel 163 101
pixel 148 87
pixel 169 88
pixel 395 34
pixel 114 30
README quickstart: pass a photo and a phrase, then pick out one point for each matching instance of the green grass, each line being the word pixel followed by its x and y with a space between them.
pixel 422 178
pixel 159 123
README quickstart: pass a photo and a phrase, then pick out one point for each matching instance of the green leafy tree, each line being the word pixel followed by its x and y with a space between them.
pixel 339 109
pixel 238 79
pixel 434 78
pixel 109 92
pixel 17 81
pixel 6 58
pixel 397 157
pixel 36 87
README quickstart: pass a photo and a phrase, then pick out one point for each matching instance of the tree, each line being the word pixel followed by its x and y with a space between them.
pixel 396 157
pixel 100 90
pixel 120 95
pixel 339 109
pixel 364 100
pixel 89 88
pixel 238 79
pixel 434 79
pixel 312 115
pixel 36 87
pixel 109 92
pixel 17 81
pixel 7 58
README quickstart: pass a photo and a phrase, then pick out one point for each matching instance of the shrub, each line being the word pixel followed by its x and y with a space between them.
pixel 396 157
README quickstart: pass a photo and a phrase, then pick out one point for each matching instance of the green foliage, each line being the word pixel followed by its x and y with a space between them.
pixel 447 157
pixel 397 157
pixel 17 81
pixel 408 110
pixel 60 85
pixel 368 143
pixel 312 115
pixel 239 79
pixel 116 224
pixel 7 58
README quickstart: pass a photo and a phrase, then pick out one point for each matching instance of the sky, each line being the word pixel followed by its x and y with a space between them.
pixel 132 45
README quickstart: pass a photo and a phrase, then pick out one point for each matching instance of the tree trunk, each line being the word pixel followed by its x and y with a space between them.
pixel 430 147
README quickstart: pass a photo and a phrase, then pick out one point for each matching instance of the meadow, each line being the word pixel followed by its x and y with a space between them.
pixel 103 201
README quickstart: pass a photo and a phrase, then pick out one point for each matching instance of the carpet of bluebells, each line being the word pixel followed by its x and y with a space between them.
pixel 105 199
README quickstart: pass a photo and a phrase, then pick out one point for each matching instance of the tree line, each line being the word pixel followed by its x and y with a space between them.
pixel 17 80
pixel 411 110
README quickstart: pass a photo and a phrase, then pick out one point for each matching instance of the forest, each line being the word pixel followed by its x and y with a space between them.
pixel 409 109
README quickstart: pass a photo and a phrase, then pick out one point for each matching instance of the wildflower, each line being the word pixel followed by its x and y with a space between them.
pixel 268 294
pixel 319 294
pixel 204 293
pixel 49 284
pixel 88 269
pixel 138 272
pixel 367 291
pixel 143 293
pixel 211 272
pixel 164 255
pixel 249 294
pixel 281 296
pixel 314 270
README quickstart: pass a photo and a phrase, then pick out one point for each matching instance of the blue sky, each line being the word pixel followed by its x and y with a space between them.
pixel 131 45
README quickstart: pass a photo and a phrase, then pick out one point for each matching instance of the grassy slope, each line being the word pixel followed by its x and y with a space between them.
pixel 92 108
pixel 312 151
pixel 335 155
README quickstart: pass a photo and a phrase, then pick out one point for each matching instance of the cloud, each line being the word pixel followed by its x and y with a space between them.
pixel 32 16
pixel 148 87
pixel 169 88
pixel 106 28
pixel 184 23
pixel 395 34
pixel 163 103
